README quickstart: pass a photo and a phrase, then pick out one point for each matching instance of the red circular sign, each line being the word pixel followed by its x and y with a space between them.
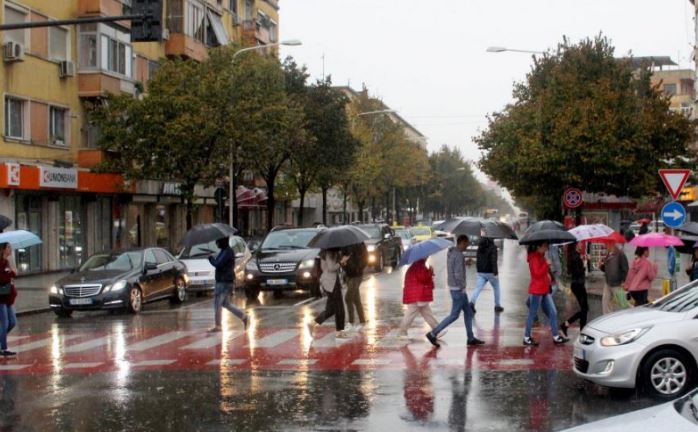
pixel 572 198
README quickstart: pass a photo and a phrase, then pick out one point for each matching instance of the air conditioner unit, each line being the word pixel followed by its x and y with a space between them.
pixel 165 34
pixel 13 51
pixel 67 69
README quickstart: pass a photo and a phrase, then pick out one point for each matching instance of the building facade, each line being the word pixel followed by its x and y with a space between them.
pixel 48 147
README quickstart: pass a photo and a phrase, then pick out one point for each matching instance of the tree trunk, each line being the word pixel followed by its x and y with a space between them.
pixel 360 205
pixel 234 199
pixel 190 214
pixel 271 202
pixel 324 205
pixel 300 209
pixel 344 208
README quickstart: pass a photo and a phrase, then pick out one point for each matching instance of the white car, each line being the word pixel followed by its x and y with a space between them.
pixel 680 415
pixel 202 274
pixel 654 347
pixel 406 237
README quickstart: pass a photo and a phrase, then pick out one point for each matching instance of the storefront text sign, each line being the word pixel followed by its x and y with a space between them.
pixel 13 177
pixel 61 178
pixel 171 189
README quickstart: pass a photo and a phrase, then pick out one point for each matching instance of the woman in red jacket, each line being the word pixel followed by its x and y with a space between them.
pixel 539 293
pixel 8 319
pixel 417 294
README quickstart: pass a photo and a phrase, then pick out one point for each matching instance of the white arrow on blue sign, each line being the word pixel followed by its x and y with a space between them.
pixel 674 214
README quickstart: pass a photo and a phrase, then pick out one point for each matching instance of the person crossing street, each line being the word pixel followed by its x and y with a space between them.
pixel 224 264
pixel 487 271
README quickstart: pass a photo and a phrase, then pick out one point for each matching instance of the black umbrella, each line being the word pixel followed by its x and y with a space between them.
pixel 4 222
pixel 497 229
pixel 207 233
pixel 690 228
pixel 463 225
pixel 546 231
pixel 689 243
pixel 339 237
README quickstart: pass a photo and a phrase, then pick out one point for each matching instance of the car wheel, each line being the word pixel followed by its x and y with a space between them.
pixel 251 293
pixel 135 300
pixel 666 374
pixel 180 294
pixel 63 313
pixel 381 263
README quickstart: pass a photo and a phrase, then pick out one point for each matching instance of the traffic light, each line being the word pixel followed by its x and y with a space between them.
pixel 149 28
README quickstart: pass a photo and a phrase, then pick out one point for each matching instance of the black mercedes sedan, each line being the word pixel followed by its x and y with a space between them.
pixel 122 280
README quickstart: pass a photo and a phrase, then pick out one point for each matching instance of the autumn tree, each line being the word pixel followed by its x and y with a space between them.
pixel 584 118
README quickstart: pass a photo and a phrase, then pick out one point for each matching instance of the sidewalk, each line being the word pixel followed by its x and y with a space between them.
pixel 32 292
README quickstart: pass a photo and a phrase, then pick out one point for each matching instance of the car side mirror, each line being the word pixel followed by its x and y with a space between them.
pixel 149 266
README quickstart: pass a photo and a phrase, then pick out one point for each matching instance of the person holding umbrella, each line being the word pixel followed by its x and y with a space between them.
pixel 331 285
pixel 224 264
pixel 8 294
pixel 354 272
pixel 575 266
pixel 487 271
pixel 640 276
pixel 615 268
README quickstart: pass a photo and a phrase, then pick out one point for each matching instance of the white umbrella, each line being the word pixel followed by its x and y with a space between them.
pixel 588 232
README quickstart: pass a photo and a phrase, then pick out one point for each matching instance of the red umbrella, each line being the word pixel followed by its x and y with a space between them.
pixel 614 237
pixel 644 221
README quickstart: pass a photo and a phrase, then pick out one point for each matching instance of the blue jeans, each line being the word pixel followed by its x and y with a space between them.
pixel 482 279
pixel 222 300
pixel 8 321
pixel 546 301
pixel 460 304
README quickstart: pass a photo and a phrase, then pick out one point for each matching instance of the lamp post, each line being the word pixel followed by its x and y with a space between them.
pixel 231 183
pixel 497 49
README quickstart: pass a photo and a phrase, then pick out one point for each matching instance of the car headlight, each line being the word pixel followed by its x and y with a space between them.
pixel 624 338
pixel 118 286
pixel 307 264
pixel 371 248
pixel 55 290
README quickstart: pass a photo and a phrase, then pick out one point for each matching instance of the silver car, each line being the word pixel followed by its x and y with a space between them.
pixel 654 347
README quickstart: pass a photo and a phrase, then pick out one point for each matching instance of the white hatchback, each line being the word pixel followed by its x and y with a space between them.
pixel 202 274
pixel 654 347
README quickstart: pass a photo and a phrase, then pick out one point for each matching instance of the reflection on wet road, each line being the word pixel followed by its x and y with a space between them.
pixel 161 371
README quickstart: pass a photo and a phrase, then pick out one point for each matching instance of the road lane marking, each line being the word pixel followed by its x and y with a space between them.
pixel 371 362
pixel 276 338
pixel 41 343
pixel 227 362
pixel 88 345
pixel 516 362
pixel 82 365
pixel 212 341
pixel 153 363
pixel 159 340
pixel 450 362
pixel 330 341
pixel 311 300
pixel 15 338
pixel 297 362
pixel 12 367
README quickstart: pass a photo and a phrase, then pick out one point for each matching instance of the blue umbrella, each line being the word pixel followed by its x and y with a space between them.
pixel 424 249
pixel 20 239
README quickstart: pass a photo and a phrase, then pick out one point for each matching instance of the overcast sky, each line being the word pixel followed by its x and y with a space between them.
pixel 427 59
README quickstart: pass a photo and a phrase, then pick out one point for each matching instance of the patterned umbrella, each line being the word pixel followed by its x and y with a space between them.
pixel 588 232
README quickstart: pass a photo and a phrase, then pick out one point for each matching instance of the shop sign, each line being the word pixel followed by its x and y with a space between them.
pixel 59 178
pixel 13 177
pixel 171 189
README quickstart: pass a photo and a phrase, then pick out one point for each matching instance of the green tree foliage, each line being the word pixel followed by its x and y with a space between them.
pixel 586 119
pixel 452 189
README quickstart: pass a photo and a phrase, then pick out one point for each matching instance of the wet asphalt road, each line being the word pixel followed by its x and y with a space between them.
pixel 161 371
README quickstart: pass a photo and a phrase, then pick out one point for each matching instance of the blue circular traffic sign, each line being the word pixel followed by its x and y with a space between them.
pixel 674 214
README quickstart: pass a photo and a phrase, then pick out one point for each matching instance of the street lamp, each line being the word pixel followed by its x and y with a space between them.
pixel 231 189
pixel 497 49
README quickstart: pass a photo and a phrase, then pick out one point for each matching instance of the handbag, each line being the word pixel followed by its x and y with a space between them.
pixel 6 288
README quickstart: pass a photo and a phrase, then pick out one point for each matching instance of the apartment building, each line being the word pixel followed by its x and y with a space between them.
pixel 48 147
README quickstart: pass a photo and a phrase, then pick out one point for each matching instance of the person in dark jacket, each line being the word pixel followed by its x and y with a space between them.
pixel 692 270
pixel 575 266
pixel 644 228
pixel 487 271
pixel 354 272
pixel 224 264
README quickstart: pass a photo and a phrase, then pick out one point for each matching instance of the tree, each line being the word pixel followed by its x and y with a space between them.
pixel 584 118
pixel 452 189
pixel 177 131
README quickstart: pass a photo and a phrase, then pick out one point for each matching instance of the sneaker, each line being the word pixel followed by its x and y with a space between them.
pixel 433 340
pixel 7 353
pixel 475 341
pixel 529 341
pixel 559 340
pixel 358 327
pixel 214 329
pixel 563 329
pixel 246 321
pixel 498 309
pixel 349 327
pixel 472 307
pixel 341 335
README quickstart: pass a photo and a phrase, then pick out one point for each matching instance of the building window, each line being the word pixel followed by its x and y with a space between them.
pixel 71 233
pixel 58 43
pixel 14 117
pixel 126 7
pixel 273 31
pixel 15 16
pixel 215 32
pixel 57 117
pixel 248 10
pixel 670 89
pixel 105 48
pixel 234 6
pixel 88 50
pixel 116 56
pixel 153 67
pixel 195 21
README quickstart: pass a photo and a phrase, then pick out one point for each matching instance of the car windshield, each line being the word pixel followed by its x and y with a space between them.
pixel 288 239
pixel 124 261
pixel 199 251
pixel 420 231
pixel 404 234
pixel 681 300
pixel 373 230
pixel 687 406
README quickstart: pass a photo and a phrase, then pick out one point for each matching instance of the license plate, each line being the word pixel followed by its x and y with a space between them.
pixel 277 282
pixel 201 282
pixel 579 353
pixel 84 301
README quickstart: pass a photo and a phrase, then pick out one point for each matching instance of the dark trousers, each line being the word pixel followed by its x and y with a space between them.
pixel 640 297
pixel 334 306
pixel 353 299
pixel 580 293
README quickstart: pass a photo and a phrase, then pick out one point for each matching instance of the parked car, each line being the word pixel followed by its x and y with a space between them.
pixel 200 271
pixel 120 280
pixel 653 347
pixel 406 237
pixel 383 247
pixel 284 262
pixel 421 233
pixel 680 415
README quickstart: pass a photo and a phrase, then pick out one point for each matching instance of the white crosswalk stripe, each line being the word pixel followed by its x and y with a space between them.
pixel 330 341
pixel 370 362
pixel 159 340
pixel 12 367
pixel 81 365
pixel 43 343
pixel 227 362
pixel 153 363
pixel 88 345
pixel 297 362
pixel 212 341
pixel 276 338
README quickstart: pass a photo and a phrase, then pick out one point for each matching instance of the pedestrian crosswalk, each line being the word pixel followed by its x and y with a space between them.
pixel 377 347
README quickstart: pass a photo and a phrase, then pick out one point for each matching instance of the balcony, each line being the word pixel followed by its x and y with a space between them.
pixel 90 158
pixel 96 84
pixel 182 45
pixel 102 8
pixel 253 34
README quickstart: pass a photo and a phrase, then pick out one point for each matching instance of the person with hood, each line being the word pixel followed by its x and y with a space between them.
pixel 224 264
pixel 575 266
pixel 455 265
pixel 331 284
pixel 487 271
pixel 418 292
pixel 539 294
pixel 640 276
pixel 615 267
